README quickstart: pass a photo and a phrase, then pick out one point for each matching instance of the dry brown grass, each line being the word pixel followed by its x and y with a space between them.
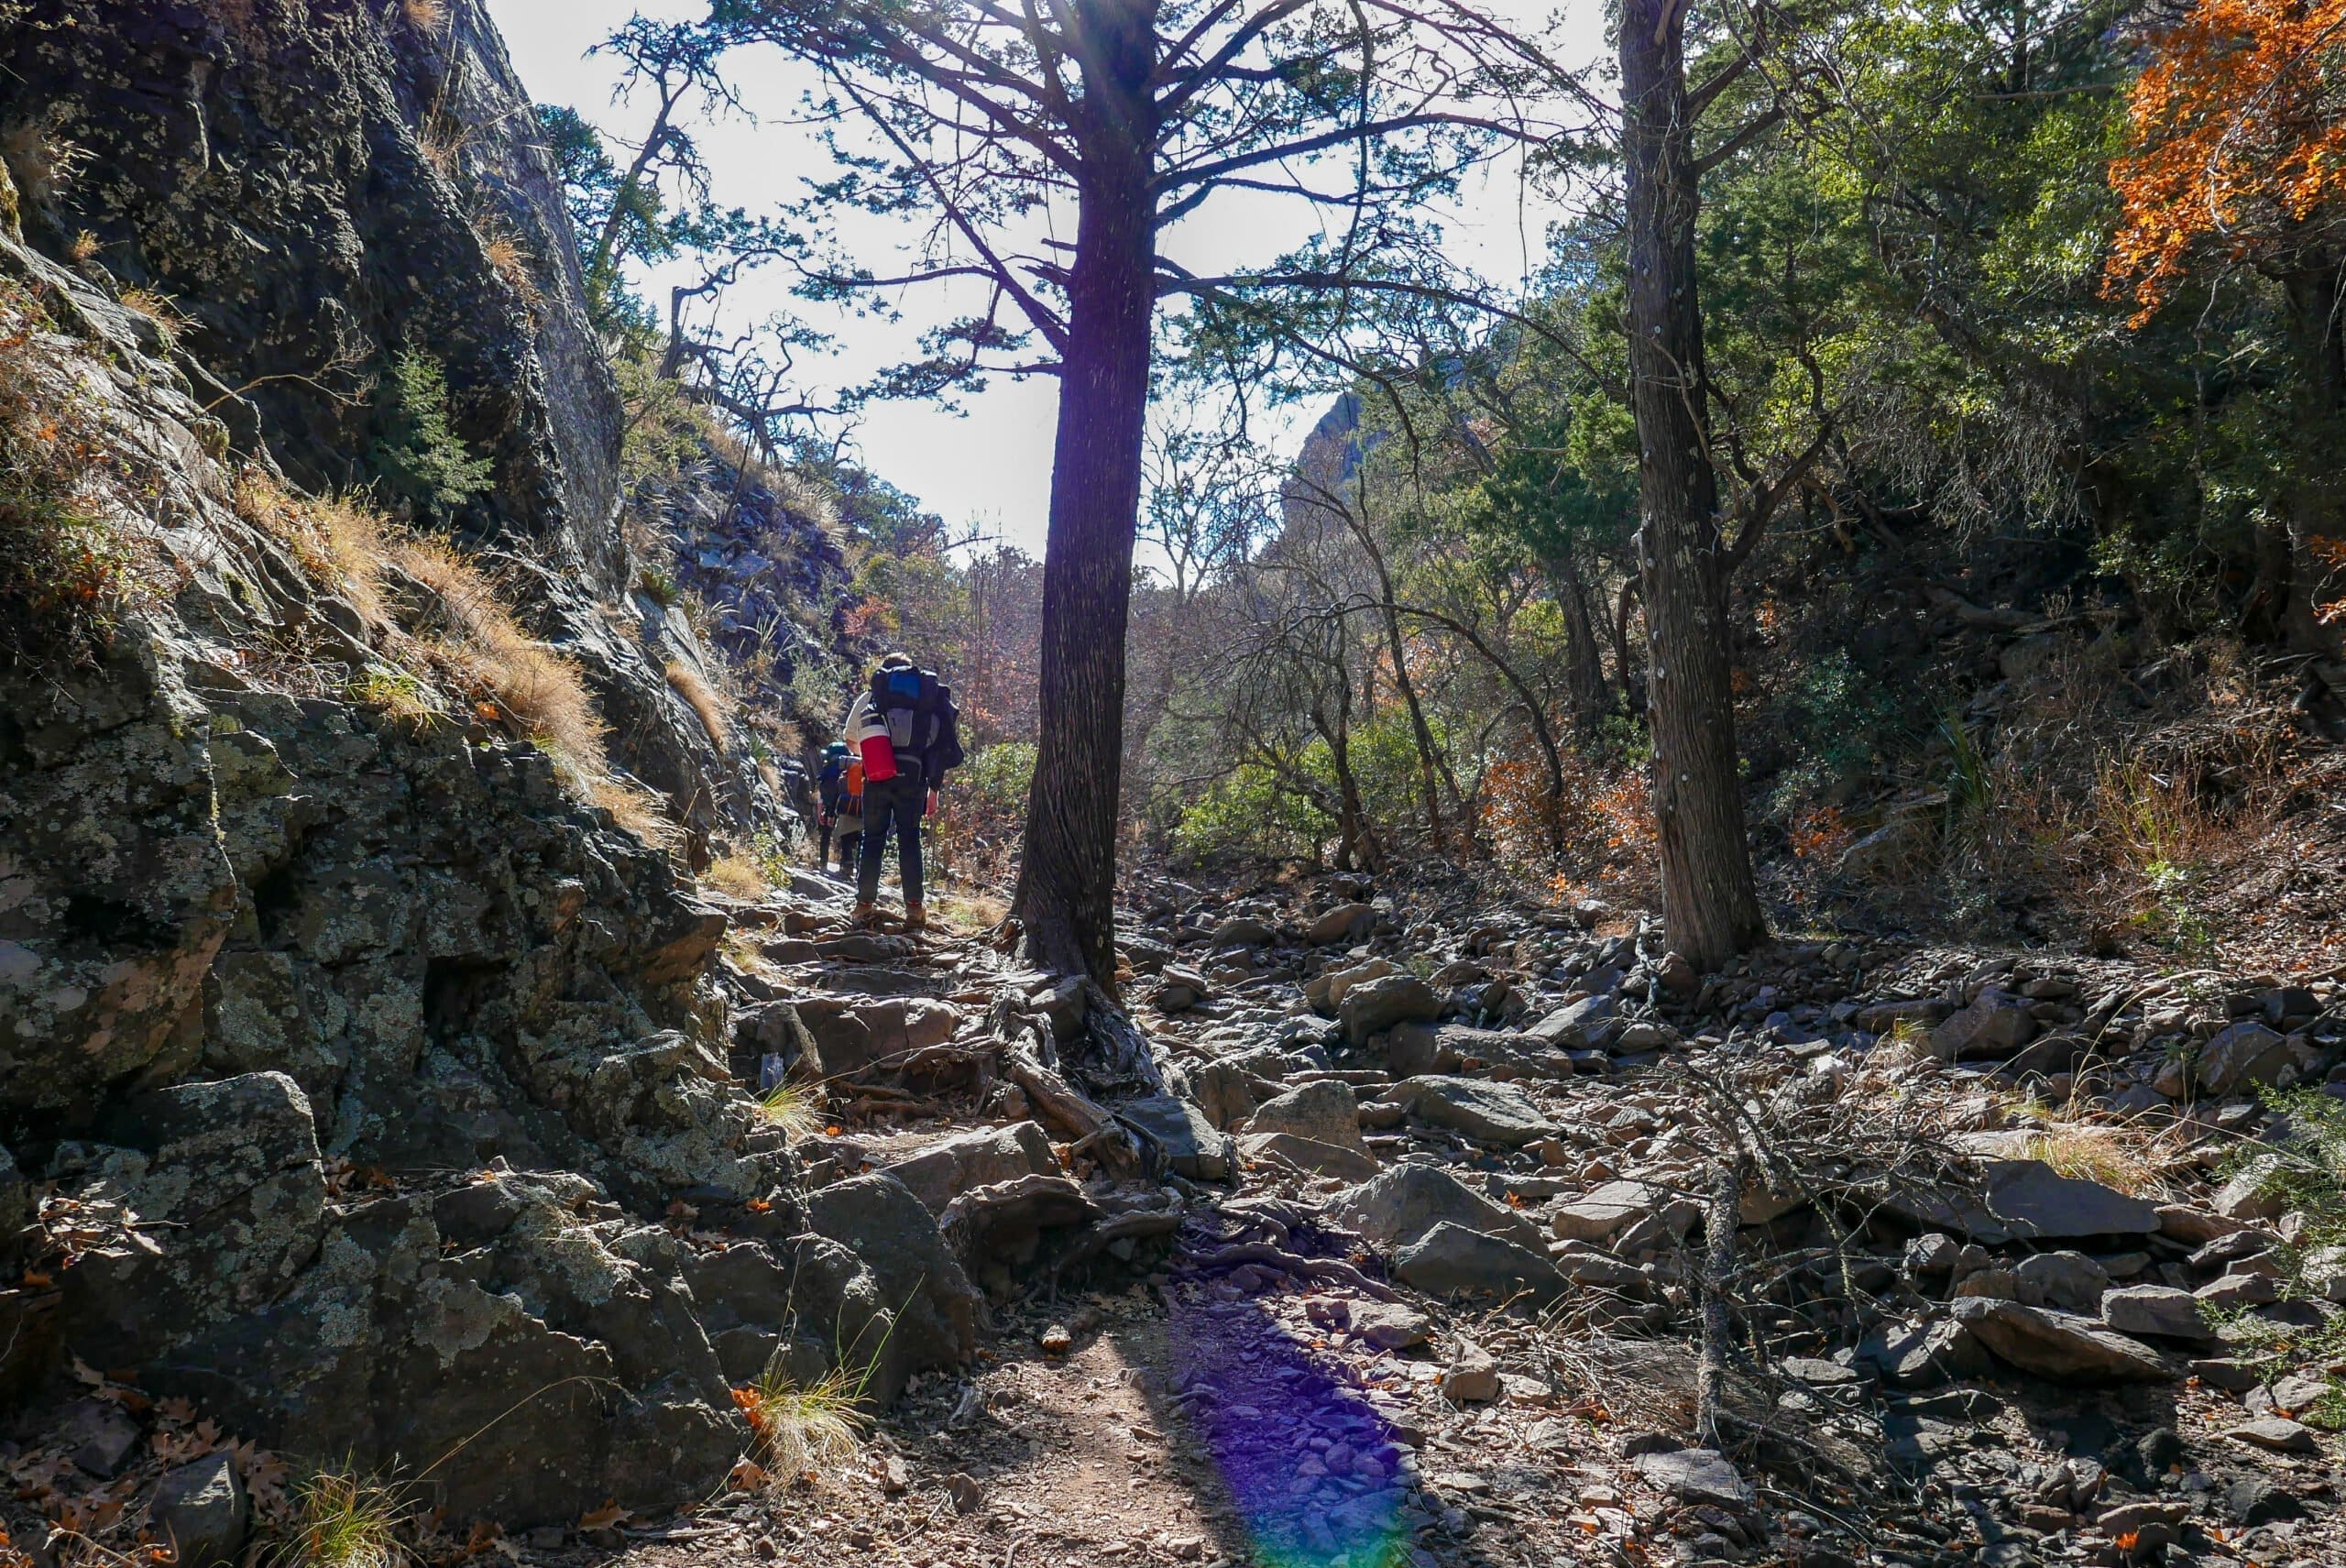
pixel 425 15
pixel 161 309
pixel 970 914
pixel 738 874
pixel 511 261
pixel 2096 1154
pixel 639 810
pixel 538 691
pixel 447 626
pixel 84 250
pixel 703 699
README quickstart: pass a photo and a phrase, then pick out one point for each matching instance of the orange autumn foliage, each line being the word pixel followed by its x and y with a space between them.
pixel 2239 138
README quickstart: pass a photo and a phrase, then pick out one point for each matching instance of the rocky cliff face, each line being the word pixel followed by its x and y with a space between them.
pixel 317 190
pixel 357 1080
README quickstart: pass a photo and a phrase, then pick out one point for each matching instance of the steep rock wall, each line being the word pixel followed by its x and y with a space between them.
pixel 317 187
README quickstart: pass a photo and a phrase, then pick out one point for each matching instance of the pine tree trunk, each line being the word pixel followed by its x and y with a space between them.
pixel 1066 897
pixel 1710 903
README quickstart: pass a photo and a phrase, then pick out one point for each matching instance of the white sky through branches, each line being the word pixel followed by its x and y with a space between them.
pixel 986 471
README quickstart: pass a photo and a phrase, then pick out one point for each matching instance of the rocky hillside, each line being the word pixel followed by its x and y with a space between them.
pixel 315 202
pixel 357 1060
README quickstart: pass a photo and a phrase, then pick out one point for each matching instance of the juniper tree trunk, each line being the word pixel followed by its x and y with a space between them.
pixel 2317 519
pixel 1710 904
pixel 1067 881
pixel 1584 665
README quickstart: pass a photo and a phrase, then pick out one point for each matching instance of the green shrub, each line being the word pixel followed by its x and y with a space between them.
pixel 1251 809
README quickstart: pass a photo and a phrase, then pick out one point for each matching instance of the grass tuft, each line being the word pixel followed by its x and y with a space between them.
pixel 703 699
pixel 793 1107
pixel 802 1431
pixel 739 875
pixel 344 1520
pixel 2096 1154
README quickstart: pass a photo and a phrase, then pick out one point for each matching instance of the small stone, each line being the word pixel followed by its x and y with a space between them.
pixel 2240 1290
pixel 97 1437
pixel 1472 1376
pixel 202 1507
pixel 1390 1325
pixel 2259 1499
pixel 967 1495
pixel 1056 1339
pixel 766 1548
pixel 892 1477
pixel 2158 1309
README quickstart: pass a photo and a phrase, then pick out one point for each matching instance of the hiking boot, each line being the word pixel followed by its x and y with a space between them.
pixel 866 913
pixel 916 919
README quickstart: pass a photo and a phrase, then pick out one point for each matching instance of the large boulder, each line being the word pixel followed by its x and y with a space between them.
pixel 2241 1056
pixel 1376 1006
pixel 2063 1346
pixel 978 1158
pixel 1224 1091
pixel 2032 1201
pixel 1327 990
pixel 1307 1154
pixel 202 1511
pixel 1451 1259
pixel 1325 1112
pixel 1345 922
pixel 2068 1280
pixel 2160 1310
pixel 879 1219
pixel 1398 1206
pixel 1416 1050
pixel 1584 1025
pixel 1992 1027
pixel 851 1033
pixel 1488 1112
pixel 228 1175
pixel 1193 1146
pixel 1601 1214
pixel 742 1293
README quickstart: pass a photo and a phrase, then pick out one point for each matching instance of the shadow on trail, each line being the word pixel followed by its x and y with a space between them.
pixel 1298 1467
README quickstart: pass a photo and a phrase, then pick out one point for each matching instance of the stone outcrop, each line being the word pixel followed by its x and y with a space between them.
pixel 386 1079
pixel 319 190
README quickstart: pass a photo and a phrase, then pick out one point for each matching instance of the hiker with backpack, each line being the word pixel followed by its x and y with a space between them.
pixel 905 732
pixel 830 790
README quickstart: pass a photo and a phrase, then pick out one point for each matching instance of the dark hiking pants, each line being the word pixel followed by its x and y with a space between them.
pixel 892 803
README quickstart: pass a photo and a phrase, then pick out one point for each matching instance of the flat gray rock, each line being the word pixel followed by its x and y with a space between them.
pixel 1308 1153
pixel 1375 1006
pixel 2159 1310
pixel 1695 1476
pixel 1488 1112
pixel 1193 1146
pixel 1325 1112
pixel 1390 1325
pixel 2059 1345
pixel 980 1158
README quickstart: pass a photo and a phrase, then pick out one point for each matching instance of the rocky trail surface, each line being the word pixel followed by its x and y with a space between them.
pixel 1379 1233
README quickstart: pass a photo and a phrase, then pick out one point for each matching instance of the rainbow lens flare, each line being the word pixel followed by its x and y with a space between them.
pixel 1318 1480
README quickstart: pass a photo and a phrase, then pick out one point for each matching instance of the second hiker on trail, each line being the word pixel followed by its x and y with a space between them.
pixel 907 732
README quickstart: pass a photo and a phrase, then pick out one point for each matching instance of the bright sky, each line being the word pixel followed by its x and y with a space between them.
pixel 988 469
